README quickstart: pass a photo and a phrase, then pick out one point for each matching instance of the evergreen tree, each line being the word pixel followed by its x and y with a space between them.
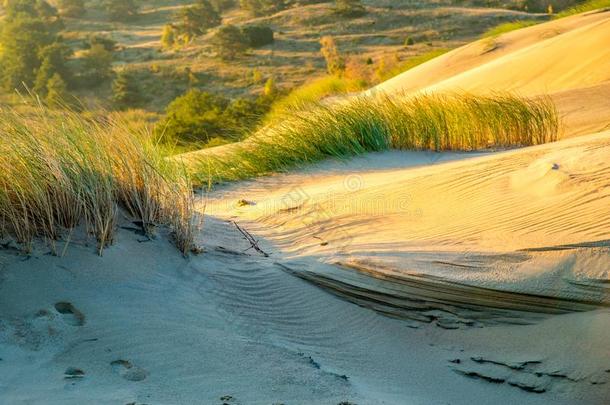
pixel 229 42
pixel 56 91
pixel 53 62
pixel 125 91
pixel 28 27
pixel 197 19
pixel 97 65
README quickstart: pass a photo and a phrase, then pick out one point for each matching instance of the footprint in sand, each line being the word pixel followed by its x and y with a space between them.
pixel 70 314
pixel 73 373
pixel 128 371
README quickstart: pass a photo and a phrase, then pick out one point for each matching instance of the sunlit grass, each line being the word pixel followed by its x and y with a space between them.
pixel 61 170
pixel 375 123
pixel 508 27
pixel 589 5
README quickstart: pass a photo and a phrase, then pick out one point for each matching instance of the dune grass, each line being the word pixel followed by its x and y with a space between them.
pixel 375 123
pixel 61 170
pixel 589 5
pixel 508 27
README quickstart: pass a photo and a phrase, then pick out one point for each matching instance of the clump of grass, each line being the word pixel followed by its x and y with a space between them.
pixel 61 170
pixel 508 27
pixel 589 5
pixel 375 123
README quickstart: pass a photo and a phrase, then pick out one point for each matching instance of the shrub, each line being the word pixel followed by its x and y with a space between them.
pixel 262 7
pixel 97 65
pixel 168 36
pixel 125 91
pixel 28 27
pixel 257 35
pixel 229 42
pixel 108 44
pixel 61 170
pixel 349 8
pixel 409 41
pixel 375 123
pixel 53 62
pixel 335 63
pixel 197 117
pixel 194 117
pixel 195 20
pixel 56 91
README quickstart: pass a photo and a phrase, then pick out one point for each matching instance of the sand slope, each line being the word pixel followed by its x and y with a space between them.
pixel 532 221
pixel 567 59
pixel 565 53
pixel 155 328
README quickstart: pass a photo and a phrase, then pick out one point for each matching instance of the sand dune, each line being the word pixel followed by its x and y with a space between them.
pixel 531 221
pixel 567 59
pixel 475 275
pixel 553 56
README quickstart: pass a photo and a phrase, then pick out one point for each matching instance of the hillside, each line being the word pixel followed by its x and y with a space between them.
pixel 294 57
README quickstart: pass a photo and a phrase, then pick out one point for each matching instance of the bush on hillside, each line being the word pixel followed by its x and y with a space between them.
pixel 109 44
pixel 125 91
pixel 198 117
pixel 28 28
pixel 195 20
pixel 96 66
pixel 258 35
pixel 349 8
pixel 262 7
pixel 229 42
pixel 335 63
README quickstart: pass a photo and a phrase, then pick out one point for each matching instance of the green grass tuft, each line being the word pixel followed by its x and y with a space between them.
pixel 508 27
pixel 589 5
pixel 375 123
pixel 61 170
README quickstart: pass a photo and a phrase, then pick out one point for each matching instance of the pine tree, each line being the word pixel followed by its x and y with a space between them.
pixel 56 91
pixel 229 41
pixel 125 92
pixel 53 59
pixel 197 19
